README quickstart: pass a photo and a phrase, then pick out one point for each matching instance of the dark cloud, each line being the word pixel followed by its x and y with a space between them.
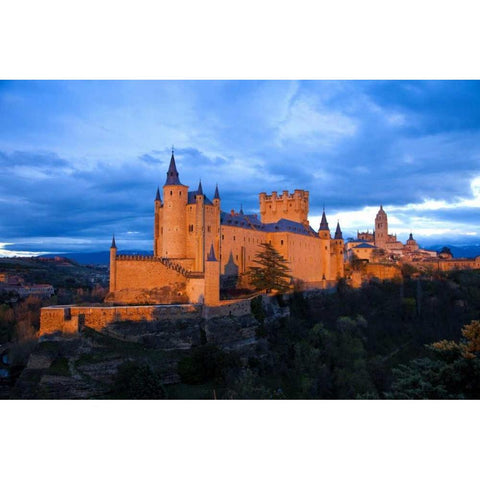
pixel 351 144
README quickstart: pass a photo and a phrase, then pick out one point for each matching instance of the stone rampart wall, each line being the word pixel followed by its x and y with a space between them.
pixel 68 319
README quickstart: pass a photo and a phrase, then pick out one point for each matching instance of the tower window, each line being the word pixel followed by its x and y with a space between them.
pixel 179 194
pixel 234 238
pixel 223 237
pixel 208 228
pixel 190 228
pixel 171 193
pixel 281 242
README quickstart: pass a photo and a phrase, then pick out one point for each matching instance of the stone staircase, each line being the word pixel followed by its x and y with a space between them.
pixel 169 263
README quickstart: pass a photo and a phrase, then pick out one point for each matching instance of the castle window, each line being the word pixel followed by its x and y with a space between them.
pixel 161 230
pixel 190 228
pixel 179 194
pixel 281 242
pixel 234 238
pixel 236 257
pixel 223 237
pixel 326 248
pixel 208 228
pixel 171 193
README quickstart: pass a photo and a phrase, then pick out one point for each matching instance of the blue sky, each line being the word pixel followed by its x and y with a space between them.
pixel 82 159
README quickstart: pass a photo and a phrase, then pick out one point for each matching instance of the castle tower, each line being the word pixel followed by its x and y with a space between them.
pixel 200 229
pixel 218 237
pixel 113 265
pixel 173 227
pixel 324 234
pixel 381 228
pixel 337 247
pixel 291 206
pixel 156 229
pixel 212 279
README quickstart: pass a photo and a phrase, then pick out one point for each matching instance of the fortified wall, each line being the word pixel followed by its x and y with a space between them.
pixel 153 280
pixel 70 319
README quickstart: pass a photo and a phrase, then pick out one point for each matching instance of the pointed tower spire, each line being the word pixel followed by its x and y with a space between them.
pixel 157 197
pixel 172 174
pixel 211 255
pixel 200 189
pixel 338 232
pixel 241 209
pixel 113 242
pixel 323 222
pixel 217 195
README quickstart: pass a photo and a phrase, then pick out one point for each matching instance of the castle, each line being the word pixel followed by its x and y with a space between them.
pixel 196 245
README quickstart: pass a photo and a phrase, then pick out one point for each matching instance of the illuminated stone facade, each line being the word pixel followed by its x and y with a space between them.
pixel 196 245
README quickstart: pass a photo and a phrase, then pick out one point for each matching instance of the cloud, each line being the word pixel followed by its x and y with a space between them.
pixel 82 160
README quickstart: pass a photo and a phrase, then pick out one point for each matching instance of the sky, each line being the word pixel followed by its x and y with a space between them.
pixel 81 160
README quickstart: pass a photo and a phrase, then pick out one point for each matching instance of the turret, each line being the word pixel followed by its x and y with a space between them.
pixel 113 265
pixel 324 231
pixel 216 197
pixel 325 247
pixel 212 279
pixel 173 227
pixel 156 227
pixel 337 247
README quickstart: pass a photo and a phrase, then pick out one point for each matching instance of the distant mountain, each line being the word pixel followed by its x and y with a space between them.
pixel 459 251
pixel 94 258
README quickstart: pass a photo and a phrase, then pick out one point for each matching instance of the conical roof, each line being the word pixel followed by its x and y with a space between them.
pixel 113 242
pixel 323 222
pixel 338 232
pixel 211 255
pixel 172 174
pixel 217 195
pixel 200 189
pixel 157 197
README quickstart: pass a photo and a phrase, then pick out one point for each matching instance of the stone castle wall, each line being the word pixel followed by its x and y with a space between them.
pixel 146 280
pixel 69 319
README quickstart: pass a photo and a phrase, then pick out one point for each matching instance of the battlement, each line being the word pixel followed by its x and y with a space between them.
pixel 291 206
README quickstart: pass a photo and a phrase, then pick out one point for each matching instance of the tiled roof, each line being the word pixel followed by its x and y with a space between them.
pixel 252 222
pixel 364 245
pixel 192 195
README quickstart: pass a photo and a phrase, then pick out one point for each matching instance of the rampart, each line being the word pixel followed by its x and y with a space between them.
pixel 70 319
pixel 151 280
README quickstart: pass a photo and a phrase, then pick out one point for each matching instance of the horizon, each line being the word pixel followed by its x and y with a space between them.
pixel 81 160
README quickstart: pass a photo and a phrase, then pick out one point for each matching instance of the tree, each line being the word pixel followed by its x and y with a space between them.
pixel 136 381
pixel 271 273
pixel 454 372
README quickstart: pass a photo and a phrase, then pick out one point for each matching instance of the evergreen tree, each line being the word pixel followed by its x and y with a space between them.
pixel 271 272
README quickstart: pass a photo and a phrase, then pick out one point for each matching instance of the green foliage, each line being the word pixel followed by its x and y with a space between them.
pixel 204 364
pixel 136 380
pixel 59 366
pixel 453 372
pixel 271 272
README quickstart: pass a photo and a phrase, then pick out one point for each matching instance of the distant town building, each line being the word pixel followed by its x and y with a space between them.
pixel 16 284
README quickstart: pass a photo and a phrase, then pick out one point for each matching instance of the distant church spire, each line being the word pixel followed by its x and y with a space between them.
pixel 172 174
pixel 113 242
pixel 200 189
pixel 157 197
pixel 241 209
pixel 217 195
pixel 338 232
pixel 323 222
